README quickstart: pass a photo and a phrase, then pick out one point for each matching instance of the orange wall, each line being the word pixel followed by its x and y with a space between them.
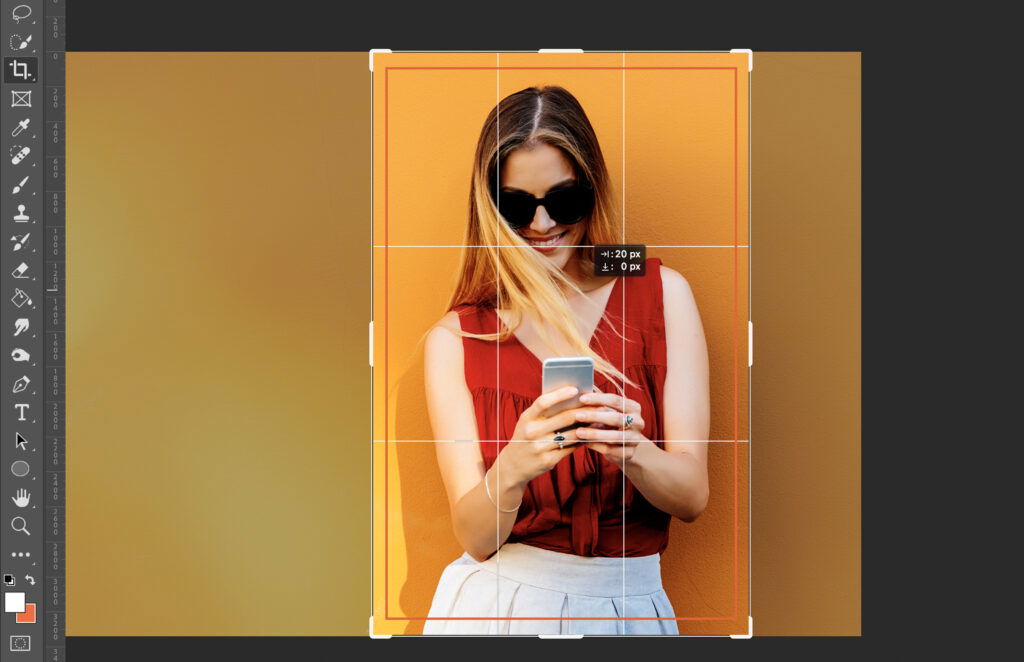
pixel 679 180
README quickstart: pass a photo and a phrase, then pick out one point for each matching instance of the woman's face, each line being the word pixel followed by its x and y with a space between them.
pixel 537 169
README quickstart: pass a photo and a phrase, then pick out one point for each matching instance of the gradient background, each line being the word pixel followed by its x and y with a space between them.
pixel 218 388
pixel 218 274
pixel 684 135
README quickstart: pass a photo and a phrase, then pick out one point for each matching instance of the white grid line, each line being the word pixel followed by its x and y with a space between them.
pixel 525 441
pixel 622 335
pixel 497 350
pixel 570 246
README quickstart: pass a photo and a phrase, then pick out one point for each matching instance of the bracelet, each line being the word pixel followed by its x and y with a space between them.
pixel 487 489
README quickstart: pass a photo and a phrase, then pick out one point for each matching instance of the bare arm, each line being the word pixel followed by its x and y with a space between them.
pixel 675 479
pixel 481 526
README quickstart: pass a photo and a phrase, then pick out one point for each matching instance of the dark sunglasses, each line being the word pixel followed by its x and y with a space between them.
pixel 565 206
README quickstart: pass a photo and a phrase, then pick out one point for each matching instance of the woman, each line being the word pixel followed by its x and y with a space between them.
pixel 562 518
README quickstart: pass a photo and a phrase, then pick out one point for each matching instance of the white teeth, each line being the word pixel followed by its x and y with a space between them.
pixel 546 242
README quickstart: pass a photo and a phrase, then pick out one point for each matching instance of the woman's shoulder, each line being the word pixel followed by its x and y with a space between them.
pixel 449 321
pixel 443 338
pixel 673 284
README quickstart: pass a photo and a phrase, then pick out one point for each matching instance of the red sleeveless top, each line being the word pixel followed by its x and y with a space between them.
pixel 585 505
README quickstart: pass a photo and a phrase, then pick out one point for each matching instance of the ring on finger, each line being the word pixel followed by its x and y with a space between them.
pixel 560 438
pixel 628 422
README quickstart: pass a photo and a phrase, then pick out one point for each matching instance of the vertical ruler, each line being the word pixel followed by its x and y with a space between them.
pixel 32 502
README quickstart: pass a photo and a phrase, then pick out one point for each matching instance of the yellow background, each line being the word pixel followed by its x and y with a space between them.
pixel 208 396
pixel 678 177
pixel 218 279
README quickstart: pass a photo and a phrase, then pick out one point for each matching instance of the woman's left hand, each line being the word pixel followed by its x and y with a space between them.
pixel 614 431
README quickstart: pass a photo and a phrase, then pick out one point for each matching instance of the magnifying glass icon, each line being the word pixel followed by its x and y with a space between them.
pixel 20 527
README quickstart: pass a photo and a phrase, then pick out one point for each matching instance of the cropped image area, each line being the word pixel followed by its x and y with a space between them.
pixel 560 344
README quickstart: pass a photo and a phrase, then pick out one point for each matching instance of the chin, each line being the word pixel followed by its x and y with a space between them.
pixel 560 258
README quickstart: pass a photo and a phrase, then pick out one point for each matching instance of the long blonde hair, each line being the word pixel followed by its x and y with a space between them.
pixel 495 270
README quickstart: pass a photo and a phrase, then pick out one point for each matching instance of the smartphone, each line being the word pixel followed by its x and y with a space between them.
pixel 562 371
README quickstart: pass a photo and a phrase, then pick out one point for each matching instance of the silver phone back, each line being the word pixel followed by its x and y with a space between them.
pixel 562 371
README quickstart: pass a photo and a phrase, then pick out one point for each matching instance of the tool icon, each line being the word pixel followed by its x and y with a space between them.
pixel 21 216
pixel 19 242
pixel 22 407
pixel 20 325
pixel 20 13
pixel 20 525
pixel 20 298
pixel 19 185
pixel 21 70
pixel 21 98
pixel 18 43
pixel 18 153
pixel 22 126
pixel 31 580
pixel 21 498
pixel 24 612
pixel 21 643
pixel 20 271
pixel 21 384
pixel 20 468
pixel 18 354
pixel 19 441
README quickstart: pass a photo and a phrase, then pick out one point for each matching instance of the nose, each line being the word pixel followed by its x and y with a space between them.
pixel 541 223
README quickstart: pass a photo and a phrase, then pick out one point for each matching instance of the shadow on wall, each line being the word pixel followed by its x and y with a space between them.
pixel 429 538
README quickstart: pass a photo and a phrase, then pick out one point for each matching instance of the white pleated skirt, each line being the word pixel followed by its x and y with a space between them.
pixel 528 590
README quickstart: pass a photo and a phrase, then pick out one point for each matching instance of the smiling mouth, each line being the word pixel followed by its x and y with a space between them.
pixel 550 241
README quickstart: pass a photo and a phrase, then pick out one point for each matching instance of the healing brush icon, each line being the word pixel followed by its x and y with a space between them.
pixel 17 156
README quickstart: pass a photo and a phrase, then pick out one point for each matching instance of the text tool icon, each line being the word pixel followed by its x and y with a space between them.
pixel 20 241
pixel 17 187
pixel 20 325
pixel 20 298
pixel 20 525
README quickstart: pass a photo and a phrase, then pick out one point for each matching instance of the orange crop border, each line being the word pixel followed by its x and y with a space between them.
pixel 736 378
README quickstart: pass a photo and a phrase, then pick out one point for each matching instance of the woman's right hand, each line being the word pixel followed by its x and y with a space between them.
pixel 532 450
